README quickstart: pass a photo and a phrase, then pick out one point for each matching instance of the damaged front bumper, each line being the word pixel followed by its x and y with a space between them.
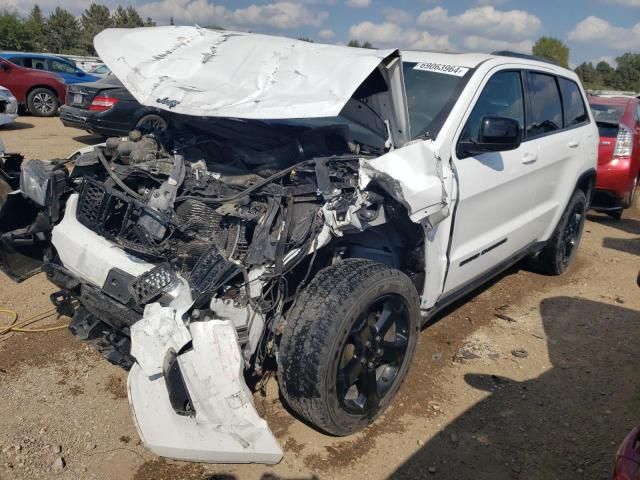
pixel 186 388
pixel 188 395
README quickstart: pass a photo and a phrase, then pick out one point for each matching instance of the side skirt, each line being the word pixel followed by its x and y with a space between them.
pixel 480 280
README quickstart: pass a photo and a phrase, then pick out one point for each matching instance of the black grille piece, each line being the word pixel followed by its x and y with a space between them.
pixel 210 272
pixel 90 205
pixel 108 213
pixel 150 285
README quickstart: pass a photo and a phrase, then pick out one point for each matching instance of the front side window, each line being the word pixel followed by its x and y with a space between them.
pixel 428 95
pixel 574 111
pixel 61 67
pixel 502 96
pixel 546 106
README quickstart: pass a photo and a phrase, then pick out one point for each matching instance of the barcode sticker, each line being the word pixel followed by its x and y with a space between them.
pixel 442 68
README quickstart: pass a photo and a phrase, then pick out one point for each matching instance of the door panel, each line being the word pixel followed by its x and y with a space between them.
pixel 561 137
pixel 493 218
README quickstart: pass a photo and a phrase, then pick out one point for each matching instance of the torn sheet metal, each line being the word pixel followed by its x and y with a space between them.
pixel 224 426
pixel 412 175
pixel 204 72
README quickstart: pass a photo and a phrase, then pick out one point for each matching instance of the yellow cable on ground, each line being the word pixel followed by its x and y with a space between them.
pixel 15 326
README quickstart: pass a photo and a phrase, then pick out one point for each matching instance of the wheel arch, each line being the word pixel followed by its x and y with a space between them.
pixel 587 183
pixel 48 87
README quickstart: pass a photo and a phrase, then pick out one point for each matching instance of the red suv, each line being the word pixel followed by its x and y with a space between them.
pixel 618 120
pixel 41 92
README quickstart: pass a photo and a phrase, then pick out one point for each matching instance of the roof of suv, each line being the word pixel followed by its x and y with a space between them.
pixel 473 60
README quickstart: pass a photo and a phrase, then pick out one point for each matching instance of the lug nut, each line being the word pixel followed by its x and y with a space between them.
pixel 370 365
pixel 378 338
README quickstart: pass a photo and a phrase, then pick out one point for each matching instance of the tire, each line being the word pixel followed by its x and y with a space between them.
pixel 561 248
pixel 152 122
pixel 42 102
pixel 329 350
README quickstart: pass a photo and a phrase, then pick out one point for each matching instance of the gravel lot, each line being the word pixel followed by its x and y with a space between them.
pixel 545 389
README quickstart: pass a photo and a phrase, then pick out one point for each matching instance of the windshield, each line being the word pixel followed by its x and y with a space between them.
pixel 428 96
pixel 607 113
pixel 100 69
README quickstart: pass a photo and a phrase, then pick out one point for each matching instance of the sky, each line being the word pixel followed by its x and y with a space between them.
pixel 593 30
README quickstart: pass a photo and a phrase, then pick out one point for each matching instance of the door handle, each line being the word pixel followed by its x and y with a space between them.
pixel 574 144
pixel 528 158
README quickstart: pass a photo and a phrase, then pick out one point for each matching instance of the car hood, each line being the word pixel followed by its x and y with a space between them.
pixel 198 71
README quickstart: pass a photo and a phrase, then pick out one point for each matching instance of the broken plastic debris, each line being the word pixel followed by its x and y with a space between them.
pixel 225 426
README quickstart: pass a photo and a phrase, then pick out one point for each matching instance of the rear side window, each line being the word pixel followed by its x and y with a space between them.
pixel 575 112
pixel 502 96
pixel 61 67
pixel 38 63
pixel 546 106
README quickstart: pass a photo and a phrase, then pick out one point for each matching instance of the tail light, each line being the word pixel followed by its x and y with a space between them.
pixel 102 103
pixel 624 142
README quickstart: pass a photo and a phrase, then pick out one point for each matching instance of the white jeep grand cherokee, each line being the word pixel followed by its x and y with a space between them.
pixel 309 208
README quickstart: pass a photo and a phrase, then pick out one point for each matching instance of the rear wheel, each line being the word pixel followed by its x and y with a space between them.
pixel 151 123
pixel 562 247
pixel 348 344
pixel 42 102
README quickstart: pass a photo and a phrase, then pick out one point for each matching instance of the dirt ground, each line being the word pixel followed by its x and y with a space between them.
pixel 545 390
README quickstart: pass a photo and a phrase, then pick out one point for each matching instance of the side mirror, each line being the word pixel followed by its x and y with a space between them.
pixel 5 67
pixel 497 134
pixel 80 73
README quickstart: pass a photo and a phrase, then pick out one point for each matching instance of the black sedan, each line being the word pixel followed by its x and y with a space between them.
pixel 105 107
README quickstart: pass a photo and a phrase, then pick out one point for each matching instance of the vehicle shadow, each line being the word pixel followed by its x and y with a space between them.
pixel 9 127
pixel 90 139
pixel 631 246
pixel 566 423
pixel 629 225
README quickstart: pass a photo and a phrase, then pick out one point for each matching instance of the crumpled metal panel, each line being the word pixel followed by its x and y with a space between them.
pixel 198 71
pixel 225 427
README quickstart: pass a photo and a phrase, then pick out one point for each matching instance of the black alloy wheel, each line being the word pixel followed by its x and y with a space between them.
pixel 373 354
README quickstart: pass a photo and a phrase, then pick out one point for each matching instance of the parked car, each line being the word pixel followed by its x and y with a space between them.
pixel 105 107
pixel 618 120
pixel 68 70
pixel 40 92
pixel 8 106
pixel 309 209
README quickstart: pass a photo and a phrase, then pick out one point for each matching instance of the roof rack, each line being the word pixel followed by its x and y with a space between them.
pixel 508 53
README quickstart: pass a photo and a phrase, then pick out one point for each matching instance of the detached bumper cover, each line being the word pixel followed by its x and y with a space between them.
pixel 224 426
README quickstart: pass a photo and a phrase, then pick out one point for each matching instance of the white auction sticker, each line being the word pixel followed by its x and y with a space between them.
pixel 441 68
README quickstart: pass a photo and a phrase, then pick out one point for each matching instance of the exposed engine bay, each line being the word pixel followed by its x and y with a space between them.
pixel 240 233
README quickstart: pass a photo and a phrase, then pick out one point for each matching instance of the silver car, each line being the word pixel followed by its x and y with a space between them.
pixel 8 106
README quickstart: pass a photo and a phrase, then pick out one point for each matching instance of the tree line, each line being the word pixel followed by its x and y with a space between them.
pixel 602 76
pixel 61 31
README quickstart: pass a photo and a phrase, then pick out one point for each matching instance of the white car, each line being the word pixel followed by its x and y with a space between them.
pixel 314 206
pixel 8 106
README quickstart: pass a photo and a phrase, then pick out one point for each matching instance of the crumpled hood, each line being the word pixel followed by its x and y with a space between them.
pixel 198 71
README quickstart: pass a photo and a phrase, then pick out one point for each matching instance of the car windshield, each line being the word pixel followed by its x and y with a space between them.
pixel 428 95
pixel 100 69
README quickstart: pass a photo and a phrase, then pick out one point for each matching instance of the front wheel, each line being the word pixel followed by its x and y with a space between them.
pixel 42 102
pixel 562 247
pixel 348 344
